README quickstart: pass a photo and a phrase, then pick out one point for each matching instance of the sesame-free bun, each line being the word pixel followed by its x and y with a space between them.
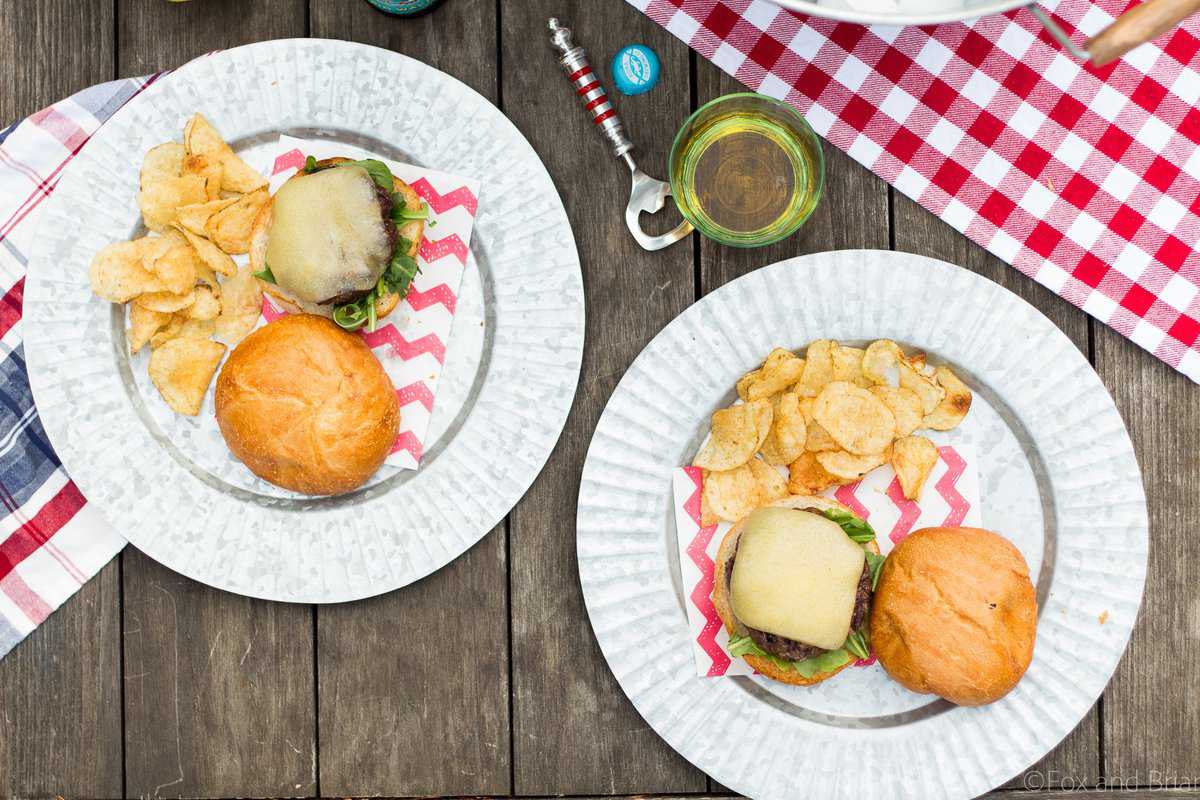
pixel 720 593
pixel 307 406
pixel 955 614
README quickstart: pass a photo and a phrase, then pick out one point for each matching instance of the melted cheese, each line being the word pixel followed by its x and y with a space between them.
pixel 327 234
pixel 796 575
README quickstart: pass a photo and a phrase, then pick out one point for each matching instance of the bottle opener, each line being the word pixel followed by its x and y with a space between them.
pixel 648 194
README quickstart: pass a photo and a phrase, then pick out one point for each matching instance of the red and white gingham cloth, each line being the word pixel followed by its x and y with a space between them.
pixel 1085 179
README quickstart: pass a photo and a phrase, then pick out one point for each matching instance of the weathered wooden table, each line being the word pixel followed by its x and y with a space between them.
pixel 485 677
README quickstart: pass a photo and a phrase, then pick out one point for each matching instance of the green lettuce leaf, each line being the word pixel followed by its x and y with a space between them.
pixel 829 660
pixel 266 274
pixel 875 563
pixel 857 529
pixel 858 644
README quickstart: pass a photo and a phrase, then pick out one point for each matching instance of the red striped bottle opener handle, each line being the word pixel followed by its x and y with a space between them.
pixel 648 194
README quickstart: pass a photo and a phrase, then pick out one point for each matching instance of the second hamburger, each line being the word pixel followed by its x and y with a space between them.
pixel 793 583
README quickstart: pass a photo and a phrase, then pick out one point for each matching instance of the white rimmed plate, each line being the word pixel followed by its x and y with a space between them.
pixel 512 362
pixel 1057 474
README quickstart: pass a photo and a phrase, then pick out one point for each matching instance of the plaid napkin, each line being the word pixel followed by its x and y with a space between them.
pixel 1085 179
pixel 51 540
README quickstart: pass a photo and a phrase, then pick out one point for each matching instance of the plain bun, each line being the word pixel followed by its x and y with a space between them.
pixel 307 406
pixel 721 602
pixel 955 614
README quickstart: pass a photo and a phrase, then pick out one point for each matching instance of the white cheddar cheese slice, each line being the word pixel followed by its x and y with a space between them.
pixel 796 575
pixel 327 234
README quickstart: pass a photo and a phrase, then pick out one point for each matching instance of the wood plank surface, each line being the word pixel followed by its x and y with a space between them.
pixel 918 231
pixel 413 685
pixel 220 694
pixel 218 690
pixel 1151 720
pixel 60 689
pixel 574 731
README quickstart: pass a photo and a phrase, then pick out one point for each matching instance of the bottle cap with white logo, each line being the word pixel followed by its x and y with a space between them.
pixel 635 69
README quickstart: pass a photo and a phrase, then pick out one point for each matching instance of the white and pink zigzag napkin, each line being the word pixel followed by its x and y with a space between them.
pixel 411 345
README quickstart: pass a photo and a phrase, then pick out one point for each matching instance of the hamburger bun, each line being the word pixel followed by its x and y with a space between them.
pixel 720 594
pixel 307 406
pixel 260 236
pixel 955 614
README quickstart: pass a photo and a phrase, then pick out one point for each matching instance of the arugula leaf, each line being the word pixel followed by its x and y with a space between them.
pixel 310 165
pixel 401 213
pixel 378 171
pixel 266 274
pixel 402 268
pixel 857 529
pixel 350 316
pixel 875 563
pixel 857 644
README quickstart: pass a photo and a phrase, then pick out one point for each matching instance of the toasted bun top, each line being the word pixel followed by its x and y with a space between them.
pixel 955 614
pixel 307 406
pixel 724 607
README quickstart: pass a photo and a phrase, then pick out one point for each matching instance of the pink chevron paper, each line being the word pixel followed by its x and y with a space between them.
pixel 411 344
pixel 950 497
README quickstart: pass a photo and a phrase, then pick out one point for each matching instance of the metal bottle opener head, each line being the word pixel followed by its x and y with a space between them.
pixel 647 194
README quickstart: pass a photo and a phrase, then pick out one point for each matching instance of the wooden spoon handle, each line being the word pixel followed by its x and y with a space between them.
pixel 1136 26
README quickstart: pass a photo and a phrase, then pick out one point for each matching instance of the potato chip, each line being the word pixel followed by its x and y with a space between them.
pixel 806 404
pixel 745 382
pixel 206 277
pixel 204 307
pixel 210 255
pixel 781 369
pixel 195 216
pixel 788 431
pixel 230 227
pixel 166 302
pixel 176 269
pixel 849 467
pixel 818 439
pixel 117 275
pixel 807 476
pixel 856 419
pixel 924 387
pixel 161 161
pixel 241 306
pixel 913 458
pixel 201 138
pixel 160 199
pixel 771 485
pixel 208 168
pixel 144 323
pixel 954 406
pixel 818 368
pixel 729 494
pixel 904 405
pixel 880 360
pixel 181 370
pixel 737 433
pixel 847 365
pixel 168 331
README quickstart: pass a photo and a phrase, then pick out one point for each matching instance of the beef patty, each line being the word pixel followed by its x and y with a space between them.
pixel 791 649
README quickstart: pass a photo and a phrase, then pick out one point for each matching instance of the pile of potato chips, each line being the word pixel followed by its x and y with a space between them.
pixel 201 200
pixel 830 417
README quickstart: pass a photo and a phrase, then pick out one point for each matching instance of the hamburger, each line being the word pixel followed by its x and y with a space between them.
pixel 307 406
pixel 955 614
pixel 792 584
pixel 339 239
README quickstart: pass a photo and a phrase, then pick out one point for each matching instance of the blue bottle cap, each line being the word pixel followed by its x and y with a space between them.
pixel 635 69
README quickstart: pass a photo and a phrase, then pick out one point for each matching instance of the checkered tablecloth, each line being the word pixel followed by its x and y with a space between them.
pixel 51 540
pixel 1085 179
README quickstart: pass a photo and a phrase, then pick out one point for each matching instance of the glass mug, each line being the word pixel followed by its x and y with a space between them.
pixel 746 170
